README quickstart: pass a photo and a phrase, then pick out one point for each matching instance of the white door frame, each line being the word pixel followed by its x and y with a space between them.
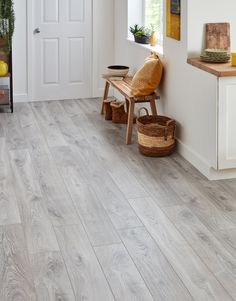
pixel 30 43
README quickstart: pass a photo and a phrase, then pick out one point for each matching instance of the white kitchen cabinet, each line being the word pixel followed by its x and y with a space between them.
pixel 216 159
pixel 226 122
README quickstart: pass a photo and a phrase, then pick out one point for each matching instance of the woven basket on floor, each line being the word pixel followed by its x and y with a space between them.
pixel 156 134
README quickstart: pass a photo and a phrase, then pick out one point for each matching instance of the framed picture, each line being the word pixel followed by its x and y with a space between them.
pixel 175 7
pixel 173 19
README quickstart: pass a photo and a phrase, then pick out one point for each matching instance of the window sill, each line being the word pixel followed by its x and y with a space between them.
pixel 158 48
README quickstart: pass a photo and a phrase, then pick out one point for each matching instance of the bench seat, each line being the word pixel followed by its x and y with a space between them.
pixel 124 88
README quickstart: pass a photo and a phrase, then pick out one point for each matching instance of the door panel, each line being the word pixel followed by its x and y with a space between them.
pixel 76 10
pixel 76 54
pixel 50 74
pixel 50 11
pixel 62 49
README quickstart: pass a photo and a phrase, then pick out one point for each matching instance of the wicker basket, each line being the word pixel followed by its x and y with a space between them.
pixel 156 135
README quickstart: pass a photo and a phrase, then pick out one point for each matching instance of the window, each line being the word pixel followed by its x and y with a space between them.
pixel 146 13
pixel 153 16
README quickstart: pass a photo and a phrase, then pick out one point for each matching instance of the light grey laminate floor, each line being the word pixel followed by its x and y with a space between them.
pixel 85 217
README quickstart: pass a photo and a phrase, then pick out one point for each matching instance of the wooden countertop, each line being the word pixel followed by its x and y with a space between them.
pixel 219 70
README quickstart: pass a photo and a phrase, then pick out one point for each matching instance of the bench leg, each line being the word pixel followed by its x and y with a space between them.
pixel 130 123
pixel 127 105
pixel 105 95
pixel 153 107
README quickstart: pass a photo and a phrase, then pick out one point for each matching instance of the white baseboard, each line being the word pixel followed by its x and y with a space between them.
pixel 202 165
pixel 195 159
pixel 21 98
pixel 222 174
pixel 100 92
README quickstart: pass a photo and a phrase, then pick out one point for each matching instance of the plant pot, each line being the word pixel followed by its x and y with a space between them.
pixel 2 43
pixel 142 39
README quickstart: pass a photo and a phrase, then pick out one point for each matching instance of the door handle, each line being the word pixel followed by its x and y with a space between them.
pixel 37 30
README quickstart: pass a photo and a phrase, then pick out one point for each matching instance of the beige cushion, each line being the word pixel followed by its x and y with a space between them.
pixel 147 78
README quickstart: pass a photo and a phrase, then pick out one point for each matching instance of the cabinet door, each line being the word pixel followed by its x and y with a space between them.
pixel 227 123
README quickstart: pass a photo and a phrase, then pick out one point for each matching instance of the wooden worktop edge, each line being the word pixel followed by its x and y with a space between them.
pixel 219 70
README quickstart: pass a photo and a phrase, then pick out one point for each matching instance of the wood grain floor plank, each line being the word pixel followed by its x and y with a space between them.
pixel 58 201
pixel 16 279
pixel 62 119
pixel 121 273
pixel 9 212
pixel 2 126
pixel 159 276
pixel 200 282
pixel 115 203
pixel 227 239
pixel 33 136
pixel 117 170
pixel 223 198
pixel 47 124
pixel 25 115
pixel 94 217
pixel 215 191
pixel 40 236
pixel 71 108
pixel 209 249
pixel 86 276
pixel 14 136
pixel 112 199
pixel 91 212
pixel 144 168
pixel 200 204
pixel 138 165
pixel 50 277
pixel 129 156
pixel 109 194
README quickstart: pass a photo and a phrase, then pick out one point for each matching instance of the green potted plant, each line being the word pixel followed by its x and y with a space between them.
pixel 7 24
pixel 141 34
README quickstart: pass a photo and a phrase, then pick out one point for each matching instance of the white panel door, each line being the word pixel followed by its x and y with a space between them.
pixel 62 53
pixel 227 125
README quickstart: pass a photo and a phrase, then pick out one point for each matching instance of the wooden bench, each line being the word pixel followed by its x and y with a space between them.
pixel 123 86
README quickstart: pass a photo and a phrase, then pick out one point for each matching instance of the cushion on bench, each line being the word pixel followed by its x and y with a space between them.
pixel 147 78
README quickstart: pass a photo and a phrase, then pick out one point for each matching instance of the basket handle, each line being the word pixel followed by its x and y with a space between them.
pixel 145 109
pixel 170 122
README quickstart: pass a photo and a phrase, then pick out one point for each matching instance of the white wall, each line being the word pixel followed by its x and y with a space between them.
pixel 103 41
pixel 208 11
pixel 190 94
pixel 20 61
pixel 187 94
pixel 103 47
